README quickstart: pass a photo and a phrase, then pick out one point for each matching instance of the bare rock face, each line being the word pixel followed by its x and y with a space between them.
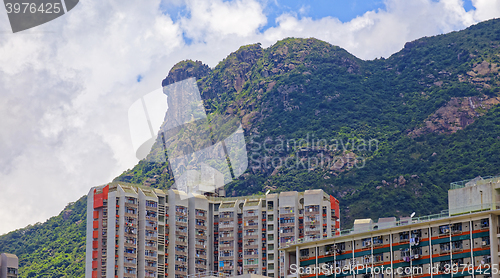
pixel 401 181
pixel 455 115
pixel 67 214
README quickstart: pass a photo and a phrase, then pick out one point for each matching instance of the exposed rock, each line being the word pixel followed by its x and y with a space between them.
pixel 184 70
pixel 455 115
pixel 67 214
pixel 401 181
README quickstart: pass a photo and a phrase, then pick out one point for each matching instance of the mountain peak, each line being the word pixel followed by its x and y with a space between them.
pixel 186 69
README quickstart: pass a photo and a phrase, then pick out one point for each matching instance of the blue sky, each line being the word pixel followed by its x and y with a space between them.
pixel 343 10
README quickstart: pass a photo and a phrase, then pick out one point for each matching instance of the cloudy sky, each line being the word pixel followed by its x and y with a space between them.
pixel 66 86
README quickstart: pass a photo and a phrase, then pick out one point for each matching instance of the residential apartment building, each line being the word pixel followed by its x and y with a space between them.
pixel 8 265
pixel 462 241
pixel 144 232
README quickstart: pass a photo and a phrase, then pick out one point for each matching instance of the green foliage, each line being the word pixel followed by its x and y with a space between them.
pixel 55 248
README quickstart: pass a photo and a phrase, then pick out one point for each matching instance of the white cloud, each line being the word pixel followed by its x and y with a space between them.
pixel 66 86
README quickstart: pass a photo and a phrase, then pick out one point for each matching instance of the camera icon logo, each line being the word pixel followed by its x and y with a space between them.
pixel 26 14
pixel 204 153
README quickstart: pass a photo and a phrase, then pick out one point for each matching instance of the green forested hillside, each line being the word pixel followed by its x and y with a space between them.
pixel 55 248
pixel 385 137
pixel 423 110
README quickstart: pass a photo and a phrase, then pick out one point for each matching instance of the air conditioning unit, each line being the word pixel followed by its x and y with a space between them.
pixel 368 243
pixel 484 243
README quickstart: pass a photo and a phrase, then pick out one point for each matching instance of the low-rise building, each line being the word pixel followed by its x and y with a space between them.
pixel 8 265
pixel 460 242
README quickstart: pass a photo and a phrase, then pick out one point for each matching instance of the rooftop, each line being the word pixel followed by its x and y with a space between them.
pixel 405 221
pixel 475 181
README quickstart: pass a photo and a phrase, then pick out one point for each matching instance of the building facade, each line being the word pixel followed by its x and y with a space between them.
pixel 460 242
pixel 144 232
pixel 8 265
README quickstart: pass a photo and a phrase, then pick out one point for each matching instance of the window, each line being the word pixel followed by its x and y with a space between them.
pixel 251 261
pixel 340 246
pixel 378 240
pixel 444 247
pixel 200 213
pixel 304 253
pixel 416 234
pixel 270 257
pixel 313 208
pixel 485 241
pixel 485 223
pixel 405 254
pixel 404 236
pixel 270 237
pixel 457 227
pixel 270 266
pixel 445 229
pixel 367 242
pixel 416 251
pixel 270 247
pixel 270 205
pixel 270 227
pixel 181 210
pixel 270 217
pixel 457 245
pixel 285 220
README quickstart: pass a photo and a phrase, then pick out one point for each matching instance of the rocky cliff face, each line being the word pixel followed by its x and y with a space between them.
pixel 184 70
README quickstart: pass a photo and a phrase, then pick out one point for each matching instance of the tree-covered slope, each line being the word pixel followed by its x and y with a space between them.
pixel 388 133
pixel 55 248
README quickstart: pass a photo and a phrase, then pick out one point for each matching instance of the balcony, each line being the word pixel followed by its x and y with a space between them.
pixel 201 256
pixel 150 258
pixel 150 268
pixel 222 248
pixel 182 273
pixel 130 205
pixel 201 217
pixel 129 214
pixel 202 227
pixel 253 256
pixel 152 218
pixel 126 244
pixel 129 264
pixel 181 213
